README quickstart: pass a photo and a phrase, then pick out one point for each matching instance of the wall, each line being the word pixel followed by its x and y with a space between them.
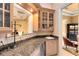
pixel 46 5
pixel 74 19
pixel 30 23
pixel 24 26
pixel 24 18
pixel 65 21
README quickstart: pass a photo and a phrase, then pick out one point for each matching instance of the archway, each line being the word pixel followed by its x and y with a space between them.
pixel 70 25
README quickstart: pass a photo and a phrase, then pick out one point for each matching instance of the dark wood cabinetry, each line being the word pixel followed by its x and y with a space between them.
pixel 72 31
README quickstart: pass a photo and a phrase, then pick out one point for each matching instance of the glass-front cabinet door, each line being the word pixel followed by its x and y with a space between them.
pixel 1 18
pixel 5 15
pixel 7 19
pixel 46 21
pixel 51 21
pixel 1 15
pixel 7 6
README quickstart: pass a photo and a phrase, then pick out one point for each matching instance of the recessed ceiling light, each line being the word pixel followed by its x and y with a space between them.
pixel 31 9
pixel 20 3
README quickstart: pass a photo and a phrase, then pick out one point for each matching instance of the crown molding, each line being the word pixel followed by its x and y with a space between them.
pixel 70 13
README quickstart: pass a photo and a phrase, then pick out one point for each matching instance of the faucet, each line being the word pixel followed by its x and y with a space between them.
pixel 2 43
pixel 6 35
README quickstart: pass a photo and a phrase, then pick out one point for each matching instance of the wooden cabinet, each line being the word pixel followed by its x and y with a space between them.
pixel 1 15
pixel 51 47
pixel 7 15
pixel 45 21
pixel 4 14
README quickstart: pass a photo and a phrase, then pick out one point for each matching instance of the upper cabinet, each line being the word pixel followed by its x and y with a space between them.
pixel 45 20
pixel 7 15
pixel 7 6
pixel 4 14
pixel 1 15
pixel 1 5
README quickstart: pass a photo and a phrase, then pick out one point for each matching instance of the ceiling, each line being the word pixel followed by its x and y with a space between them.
pixel 71 10
pixel 60 5
pixel 72 7
pixel 28 6
pixel 19 12
pixel 54 6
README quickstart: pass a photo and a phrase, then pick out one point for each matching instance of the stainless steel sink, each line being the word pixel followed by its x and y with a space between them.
pixel 49 37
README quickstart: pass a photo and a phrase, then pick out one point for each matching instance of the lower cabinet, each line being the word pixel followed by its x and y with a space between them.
pixel 51 47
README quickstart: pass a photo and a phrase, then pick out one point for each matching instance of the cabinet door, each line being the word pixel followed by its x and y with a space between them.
pixel 44 20
pixel 7 15
pixel 7 6
pixel 1 18
pixel 51 47
pixel 1 15
pixel 7 19
pixel 50 21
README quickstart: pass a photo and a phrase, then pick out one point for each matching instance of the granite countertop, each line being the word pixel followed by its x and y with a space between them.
pixel 24 48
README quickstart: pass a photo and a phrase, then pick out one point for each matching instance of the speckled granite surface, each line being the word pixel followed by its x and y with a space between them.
pixel 24 48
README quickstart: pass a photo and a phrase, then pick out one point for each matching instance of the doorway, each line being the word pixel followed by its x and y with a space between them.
pixel 70 28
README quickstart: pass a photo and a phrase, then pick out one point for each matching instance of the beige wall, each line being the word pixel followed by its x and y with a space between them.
pixel 74 19
pixel 23 27
pixel 25 19
pixel 66 20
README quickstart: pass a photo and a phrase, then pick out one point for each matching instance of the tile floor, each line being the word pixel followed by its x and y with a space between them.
pixel 65 53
